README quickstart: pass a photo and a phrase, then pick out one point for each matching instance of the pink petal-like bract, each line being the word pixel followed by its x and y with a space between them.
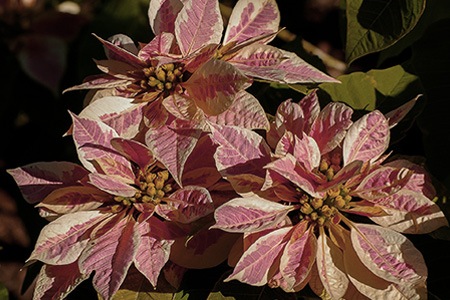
pixel 307 152
pixel 160 45
pixel 151 254
pixel 255 263
pixel 329 128
pixel 330 265
pixel 61 241
pixel 114 169
pixel 162 15
pixel 396 115
pixel 369 284
pixel 298 257
pixel 388 254
pixel 420 180
pixel 250 19
pixel 110 254
pixel 240 151
pixel 410 212
pixel 298 71
pixel 382 182
pixel 172 147
pixel 93 140
pixel 56 282
pixel 245 112
pixel 214 86
pixel 311 110
pixel 187 205
pixel 118 53
pixel 250 214
pixel 198 23
pixel 297 174
pixel 260 61
pixel 112 185
pixel 74 198
pixel 117 112
pixel 134 151
pixel 367 139
pixel 37 180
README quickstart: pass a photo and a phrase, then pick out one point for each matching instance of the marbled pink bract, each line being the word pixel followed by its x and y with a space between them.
pixel 325 168
pixel 123 207
pixel 189 60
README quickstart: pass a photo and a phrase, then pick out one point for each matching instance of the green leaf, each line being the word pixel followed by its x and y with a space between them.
pixel 374 25
pixel 435 10
pixel 235 290
pixel 137 287
pixel 219 296
pixel 384 89
pixel 4 295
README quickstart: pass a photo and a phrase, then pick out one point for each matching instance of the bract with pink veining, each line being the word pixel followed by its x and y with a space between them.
pixel 189 71
pixel 121 208
pixel 296 217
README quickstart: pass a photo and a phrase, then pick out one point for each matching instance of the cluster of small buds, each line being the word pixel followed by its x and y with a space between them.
pixel 330 165
pixel 320 210
pixel 152 187
pixel 162 78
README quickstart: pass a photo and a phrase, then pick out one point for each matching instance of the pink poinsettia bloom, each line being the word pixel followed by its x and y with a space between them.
pixel 297 227
pixel 189 71
pixel 122 208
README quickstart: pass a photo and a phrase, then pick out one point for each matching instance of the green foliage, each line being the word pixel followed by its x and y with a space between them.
pixel 4 295
pixel 435 11
pixel 374 89
pixel 235 290
pixel 373 25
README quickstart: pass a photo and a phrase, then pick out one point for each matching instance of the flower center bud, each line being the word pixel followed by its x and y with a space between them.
pixel 152 188
pixel 321 210
pixel 330 164
pixel 163 78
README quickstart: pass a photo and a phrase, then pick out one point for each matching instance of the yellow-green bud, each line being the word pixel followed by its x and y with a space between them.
pixel 161 75
pixel 339 202
pixel 167 188
pixel 170 76
pixel 306 209
pixel 323 166
pixel 168 67
pixel 146 199
pixel 159 194
pixel 151 191
pixel 321 221
pixel 316 203
pixel 329 174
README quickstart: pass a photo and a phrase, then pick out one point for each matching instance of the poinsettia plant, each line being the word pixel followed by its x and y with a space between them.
pixel 182 168
pixel 296 217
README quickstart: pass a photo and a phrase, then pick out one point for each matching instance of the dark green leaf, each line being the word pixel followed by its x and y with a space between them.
pixel 435 11
pixel 377 89
pixel 373 25
pixel 4 295
pixel 235 290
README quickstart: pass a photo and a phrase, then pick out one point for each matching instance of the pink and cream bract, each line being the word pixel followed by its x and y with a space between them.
pixel 121 208
pixel 297 204
pixel 189 70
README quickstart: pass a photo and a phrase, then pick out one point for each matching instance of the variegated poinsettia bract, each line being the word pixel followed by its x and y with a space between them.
pixel 122 207
pixel 298 201
pixel 189 70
